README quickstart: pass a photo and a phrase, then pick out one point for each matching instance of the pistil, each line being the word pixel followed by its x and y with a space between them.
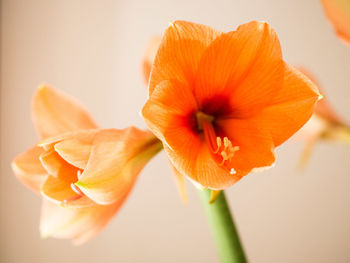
pixel 217 145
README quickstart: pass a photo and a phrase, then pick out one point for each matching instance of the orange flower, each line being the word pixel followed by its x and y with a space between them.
pixel 221 102
pixel 84 173
pixel 338 13
pixel 325 124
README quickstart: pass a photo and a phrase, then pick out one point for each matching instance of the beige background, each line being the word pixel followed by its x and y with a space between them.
pixel 92 49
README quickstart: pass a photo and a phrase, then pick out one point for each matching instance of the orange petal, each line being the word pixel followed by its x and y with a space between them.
pixel 256 148
pixel 244 66
pixel 201 168
pixel 75 151
pixel 291 107
pixel 77 202
pixel 52 162
pixel 170 103
pixel 83 135
pixel 28 169
pixel 57 190
pixel 338 12
pixel 180 183
pixel 179 53
pixel 117 156
pixel 79 224
pixel 192 158
pixel 149 55
pixel 323 107
pixel 54 112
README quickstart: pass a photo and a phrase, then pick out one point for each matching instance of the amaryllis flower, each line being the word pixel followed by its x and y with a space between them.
pixel 338 13
pixel 83 172
pixel 221 102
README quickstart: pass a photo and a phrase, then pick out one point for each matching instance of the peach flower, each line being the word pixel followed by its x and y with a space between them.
pixel 84 173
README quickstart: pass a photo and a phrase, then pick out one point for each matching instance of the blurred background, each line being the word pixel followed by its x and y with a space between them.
pixel 92 50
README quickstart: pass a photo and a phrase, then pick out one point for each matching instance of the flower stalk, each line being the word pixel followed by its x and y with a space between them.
pixel 223 229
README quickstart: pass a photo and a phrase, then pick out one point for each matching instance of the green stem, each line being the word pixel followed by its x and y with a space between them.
pixel 223 228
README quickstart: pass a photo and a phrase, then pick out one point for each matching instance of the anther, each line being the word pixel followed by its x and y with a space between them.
pixel 228 152
pixel 218 143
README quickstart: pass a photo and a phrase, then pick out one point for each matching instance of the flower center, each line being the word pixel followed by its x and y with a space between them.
pixel 218 146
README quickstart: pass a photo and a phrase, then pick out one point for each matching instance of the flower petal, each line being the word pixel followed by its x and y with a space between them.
pixel 55 112
pixel 79 224
pixel 77 202
pixel 170 102
pixel 52 162
pixel 179 53
pixel 180 183
pixel 117 156
pixel 75 151
pixel 338 12
pixel 85 135
pixel 57 190
pixel 201 168
pixel 244 66
pixel 323 107
pixel 256 148
pixel 291 107
pixel 28 169
pixel 149 55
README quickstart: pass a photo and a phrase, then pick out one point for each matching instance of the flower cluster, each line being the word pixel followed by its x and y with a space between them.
pixel 219 103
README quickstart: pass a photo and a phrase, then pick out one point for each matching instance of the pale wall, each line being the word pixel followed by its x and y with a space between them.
pixel 92 49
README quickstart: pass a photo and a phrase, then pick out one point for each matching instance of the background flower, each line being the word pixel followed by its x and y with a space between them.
pixel 338 13
pixel 83 173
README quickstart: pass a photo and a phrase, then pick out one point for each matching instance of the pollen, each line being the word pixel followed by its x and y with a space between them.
pixel 226 150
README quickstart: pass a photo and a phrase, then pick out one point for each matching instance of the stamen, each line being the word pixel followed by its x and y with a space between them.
pixel 228 151
pixel 216 144
pixel 226 142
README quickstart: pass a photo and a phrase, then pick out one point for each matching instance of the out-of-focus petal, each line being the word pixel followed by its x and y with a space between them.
pixel 77 202
pixel 75 151
pixel 323 107
pixel 338 12
pixel 55 112
pixel 52 162
pixel 84 135
pixel 28 169
pixel 57 190
pixel 149 55
pixel 179 53
pixel 117 157
pixel 180 183
pixel 79 224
